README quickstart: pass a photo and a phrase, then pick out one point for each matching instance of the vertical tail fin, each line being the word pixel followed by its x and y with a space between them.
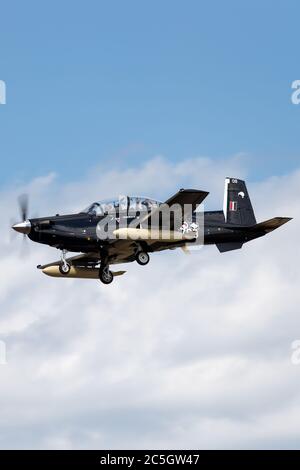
pixel 237 206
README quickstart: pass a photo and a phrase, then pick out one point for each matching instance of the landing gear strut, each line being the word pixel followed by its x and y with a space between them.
pixel 64 267
pixel 105 275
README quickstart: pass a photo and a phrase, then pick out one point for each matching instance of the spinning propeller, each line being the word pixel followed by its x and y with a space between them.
pixel 24 226
pixel 23 204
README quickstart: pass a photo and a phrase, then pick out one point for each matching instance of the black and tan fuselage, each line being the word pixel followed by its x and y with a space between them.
pixel 228 229
pixel 77 233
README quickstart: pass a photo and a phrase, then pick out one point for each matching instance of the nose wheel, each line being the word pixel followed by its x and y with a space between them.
pixel 64 267
pixel 105 275
pixel 142 258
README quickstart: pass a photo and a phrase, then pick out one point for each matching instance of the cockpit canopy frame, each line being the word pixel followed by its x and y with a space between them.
pixel 125 204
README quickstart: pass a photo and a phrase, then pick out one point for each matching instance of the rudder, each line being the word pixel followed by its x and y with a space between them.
pixel 237 206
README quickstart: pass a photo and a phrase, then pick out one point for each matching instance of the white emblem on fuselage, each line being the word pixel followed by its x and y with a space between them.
pixel 242 194
pixel 192 227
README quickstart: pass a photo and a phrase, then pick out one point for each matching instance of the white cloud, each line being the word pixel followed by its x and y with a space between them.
pixel 191 351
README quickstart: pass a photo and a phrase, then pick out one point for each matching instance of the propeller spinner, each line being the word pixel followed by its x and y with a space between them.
pixel 24 226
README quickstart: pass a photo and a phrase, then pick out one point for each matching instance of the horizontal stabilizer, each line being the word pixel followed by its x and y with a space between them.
pixel 270 225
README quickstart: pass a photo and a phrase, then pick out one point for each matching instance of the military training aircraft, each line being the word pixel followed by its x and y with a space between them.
pixel 128 229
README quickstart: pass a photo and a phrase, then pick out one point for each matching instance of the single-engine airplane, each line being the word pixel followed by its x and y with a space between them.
pixel 128 229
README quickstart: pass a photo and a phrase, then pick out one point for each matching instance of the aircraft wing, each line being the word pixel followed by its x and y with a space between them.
pixel 119 251
pixel 78 260
pixel 185 199
pixel 84 266
pixel 188 196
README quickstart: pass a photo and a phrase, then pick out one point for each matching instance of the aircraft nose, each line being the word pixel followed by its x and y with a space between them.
pixel 23 227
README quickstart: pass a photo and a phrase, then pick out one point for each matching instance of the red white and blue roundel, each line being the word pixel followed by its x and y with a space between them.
pixel 233 206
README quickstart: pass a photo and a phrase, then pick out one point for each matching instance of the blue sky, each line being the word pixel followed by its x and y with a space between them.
pixel 115 83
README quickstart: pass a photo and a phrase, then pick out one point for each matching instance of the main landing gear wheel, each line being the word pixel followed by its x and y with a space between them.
pixel 106 276
pixel 64 268
pixel 142 258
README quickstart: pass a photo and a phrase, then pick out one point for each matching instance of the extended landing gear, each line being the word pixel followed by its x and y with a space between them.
pixel 142 258
pixel 64 267
pixel 105 275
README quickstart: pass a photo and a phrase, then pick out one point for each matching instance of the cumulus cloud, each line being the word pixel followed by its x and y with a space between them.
pixel 188 352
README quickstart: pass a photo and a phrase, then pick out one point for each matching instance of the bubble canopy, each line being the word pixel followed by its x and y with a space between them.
pixel 126 204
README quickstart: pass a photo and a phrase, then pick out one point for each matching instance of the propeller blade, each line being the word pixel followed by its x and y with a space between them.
pixel 24 248
pixel 23 204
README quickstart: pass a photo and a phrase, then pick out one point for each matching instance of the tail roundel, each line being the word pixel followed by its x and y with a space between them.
pixel 237 206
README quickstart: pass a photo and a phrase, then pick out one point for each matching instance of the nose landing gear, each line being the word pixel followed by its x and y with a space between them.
pixel 64 267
